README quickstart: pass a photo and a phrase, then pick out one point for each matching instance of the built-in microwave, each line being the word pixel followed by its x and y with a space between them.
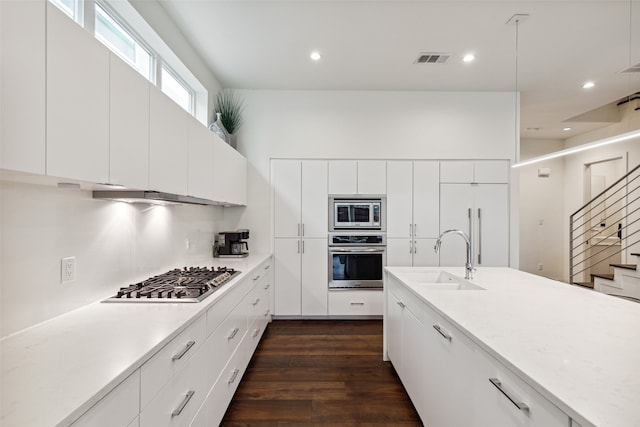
pixel 357 212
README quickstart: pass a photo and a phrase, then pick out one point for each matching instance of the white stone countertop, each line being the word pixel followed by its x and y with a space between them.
pixel 53 372
pixel 578 348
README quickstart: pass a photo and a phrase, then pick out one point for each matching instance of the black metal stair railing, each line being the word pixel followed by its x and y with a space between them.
pixel 617 214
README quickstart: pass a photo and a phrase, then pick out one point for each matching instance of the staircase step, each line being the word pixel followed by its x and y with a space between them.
pixel 584 284
pixel 603 276
pixel 625 266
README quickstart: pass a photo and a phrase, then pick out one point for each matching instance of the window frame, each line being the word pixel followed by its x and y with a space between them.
pixel 163 66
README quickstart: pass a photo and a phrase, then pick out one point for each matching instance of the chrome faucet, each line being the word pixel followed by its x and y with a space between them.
pixel 469 264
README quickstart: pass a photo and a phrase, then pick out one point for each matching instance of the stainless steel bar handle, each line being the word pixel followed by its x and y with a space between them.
pixel 298 246
pixel 355 250
pixel 303 246
pixel 498 384
pixel 356 303
pixel 410 246
pixel 267 286
pixel 479 237
pixel 401 304
pixel 415 246
pixel 256 278
pixel 184 402
pixel 233 376
pixel 410 230
pixel 266 313
pixel 256 302
pixel 442 332
pixel 183 351
pixel 256 332
pixel 298 229
pixel 415 229
pixel 233 333
pixel 303 229
pixel 266 267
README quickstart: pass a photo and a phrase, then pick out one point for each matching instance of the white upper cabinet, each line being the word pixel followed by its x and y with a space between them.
pixel 287 195
pixel 77 101
pixel 129 126
pixel 315 199
pixel 200 163
pixel 168 144
pixel 372 177
pixel 343 177
pixel 426 193
pixel 229 174
pixel 399 199
pixel 22 83
pixel 478 171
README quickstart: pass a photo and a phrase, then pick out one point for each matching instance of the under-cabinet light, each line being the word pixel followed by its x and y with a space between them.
pixel 611 140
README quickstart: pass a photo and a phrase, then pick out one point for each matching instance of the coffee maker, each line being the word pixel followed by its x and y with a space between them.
pixel 230 244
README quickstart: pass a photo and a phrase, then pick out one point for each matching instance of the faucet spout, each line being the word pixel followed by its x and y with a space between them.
pixel 469 264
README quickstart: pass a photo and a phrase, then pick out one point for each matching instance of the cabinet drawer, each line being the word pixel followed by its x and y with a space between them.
pixel 497 390
pixel 254 334
pixel 224 306
pixel 355 303
pixel 223 390
pixel 156 372
pixel 118 408
pixel 224 341
pixel 178 402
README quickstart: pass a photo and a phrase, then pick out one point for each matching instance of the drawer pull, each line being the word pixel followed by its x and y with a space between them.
pixel 356 303
pixel 266 313
pixel 256 332
pixel 183 351
pixel 186 400
pixel 498 384
pixel 233 333
pixel 401 304
pixel 442 332
pixel 267 286
pixel 267 267
pixel 256 278
pixel 233 376
pixel 256 302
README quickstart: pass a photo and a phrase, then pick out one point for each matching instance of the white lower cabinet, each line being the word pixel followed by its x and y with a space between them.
pixel 355 303
pixel 223 390
pixel 449 378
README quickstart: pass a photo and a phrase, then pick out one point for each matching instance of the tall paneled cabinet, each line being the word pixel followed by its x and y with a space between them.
pixel 412 212
pixel 300 230
pixel 474 197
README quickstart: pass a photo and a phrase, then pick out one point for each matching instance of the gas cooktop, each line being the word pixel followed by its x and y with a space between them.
pixel 191 284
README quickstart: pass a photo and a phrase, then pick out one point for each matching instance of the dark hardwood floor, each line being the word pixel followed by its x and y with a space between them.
pixel 321 373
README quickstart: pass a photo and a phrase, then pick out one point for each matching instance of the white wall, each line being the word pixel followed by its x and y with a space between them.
pixel 363 124
pixel 542 217
pixel 114 243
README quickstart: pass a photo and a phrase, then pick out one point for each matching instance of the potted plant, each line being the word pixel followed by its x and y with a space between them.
pixel 230 108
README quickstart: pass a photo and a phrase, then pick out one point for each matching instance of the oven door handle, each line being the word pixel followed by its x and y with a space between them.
pixel 375 250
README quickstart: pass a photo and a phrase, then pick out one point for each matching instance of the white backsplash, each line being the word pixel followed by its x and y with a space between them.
pixel 114 244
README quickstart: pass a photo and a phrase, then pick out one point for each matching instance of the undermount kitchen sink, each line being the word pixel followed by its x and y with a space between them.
pixel 438 280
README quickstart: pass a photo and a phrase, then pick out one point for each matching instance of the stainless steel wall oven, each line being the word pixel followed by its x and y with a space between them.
pixel 356 260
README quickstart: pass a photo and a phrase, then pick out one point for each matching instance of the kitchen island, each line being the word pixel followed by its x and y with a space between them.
pixel 55 372
pixel 565 354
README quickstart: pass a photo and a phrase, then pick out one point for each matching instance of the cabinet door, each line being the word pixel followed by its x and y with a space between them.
pixel 343 177
pixel 426 192
pixel 413 359
pixel 491 171
pixel 314 199
pixel 448 375
pixel 456 205
pixel 22 83
pixel 393 330
pixel 200 160
pixel 128 126
pixel 77 101
pixel 229 174
pixel 456 171
pixel 315 273
pixel 168 144
pixel 287 194
pixel 287 277
pixel 399 199
pixel 372 177
pixel 492 225
pixel 423 253
pixel 399 252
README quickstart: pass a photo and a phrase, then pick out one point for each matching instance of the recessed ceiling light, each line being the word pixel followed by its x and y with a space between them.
pixel 588 85
pixel 315 55
pixel 469 57
pixel 566 129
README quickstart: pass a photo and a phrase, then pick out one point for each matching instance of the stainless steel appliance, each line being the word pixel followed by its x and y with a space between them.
pixel 229 244
pixel 191 284
pixel 357 212
pixel 356 260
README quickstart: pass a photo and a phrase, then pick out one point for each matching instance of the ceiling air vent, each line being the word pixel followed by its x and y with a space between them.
pixel 432 58
pixel 634 69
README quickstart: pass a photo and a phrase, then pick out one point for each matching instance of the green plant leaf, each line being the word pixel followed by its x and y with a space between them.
pixel 231 108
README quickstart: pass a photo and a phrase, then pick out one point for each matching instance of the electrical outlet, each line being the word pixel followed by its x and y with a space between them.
pixel 68 270
pixel 540 267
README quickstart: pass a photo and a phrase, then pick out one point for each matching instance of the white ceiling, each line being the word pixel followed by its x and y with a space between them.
pixel 372 45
